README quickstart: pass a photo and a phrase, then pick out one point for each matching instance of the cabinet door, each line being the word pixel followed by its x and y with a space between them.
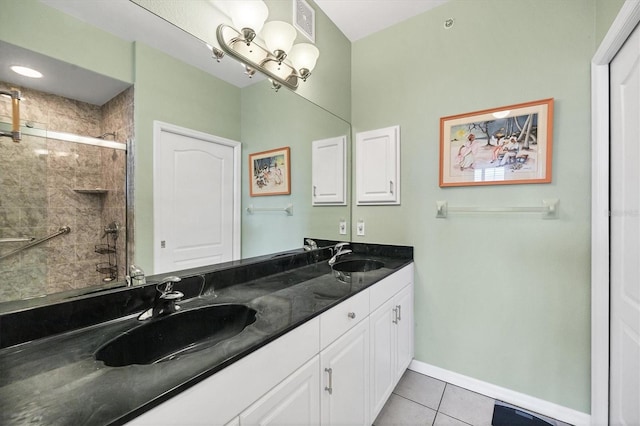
pixel 378 166
pixel 345 379
pixel 329 171
pixel 383 355
pixel 404 342
pixel 295 401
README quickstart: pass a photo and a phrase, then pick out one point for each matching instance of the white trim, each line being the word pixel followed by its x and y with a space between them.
pixel 158 128
pixel 509 396
pixel 623 25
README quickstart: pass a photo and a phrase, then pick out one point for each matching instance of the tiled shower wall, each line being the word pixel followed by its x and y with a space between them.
pixel 41 183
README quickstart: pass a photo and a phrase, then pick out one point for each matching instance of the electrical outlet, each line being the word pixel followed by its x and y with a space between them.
pixel 342 228
pixel 360 228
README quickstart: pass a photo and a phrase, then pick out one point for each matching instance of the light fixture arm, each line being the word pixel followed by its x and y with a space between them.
pixel 257 57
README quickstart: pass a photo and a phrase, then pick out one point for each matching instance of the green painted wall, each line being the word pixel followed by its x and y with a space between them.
pixel 170 91
pixel 273 120
pixel 501 298
pixel 606 11
pixel 32 25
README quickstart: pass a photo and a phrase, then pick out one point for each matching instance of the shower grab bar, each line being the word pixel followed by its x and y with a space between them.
pixel 60 231
pixel 17 240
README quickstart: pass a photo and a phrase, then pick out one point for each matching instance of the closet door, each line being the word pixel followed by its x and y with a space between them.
pixel 624 380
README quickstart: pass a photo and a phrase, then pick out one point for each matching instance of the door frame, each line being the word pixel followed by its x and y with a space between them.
pixel 158 128
pixel 625 22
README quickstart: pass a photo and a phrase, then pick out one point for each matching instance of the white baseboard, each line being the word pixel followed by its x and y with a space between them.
pixel 527 402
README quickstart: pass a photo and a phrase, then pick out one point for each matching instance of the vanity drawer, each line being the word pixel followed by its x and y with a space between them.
pixel 338 320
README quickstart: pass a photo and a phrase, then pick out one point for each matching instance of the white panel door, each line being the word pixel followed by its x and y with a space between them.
pixel 196 203
pixel 405 328
pixel 345 379
pixel 625 235
pixel 383 355
pixel 329 171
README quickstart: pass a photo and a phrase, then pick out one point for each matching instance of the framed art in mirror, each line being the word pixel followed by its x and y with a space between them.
pixel 269 172
pixel 507 145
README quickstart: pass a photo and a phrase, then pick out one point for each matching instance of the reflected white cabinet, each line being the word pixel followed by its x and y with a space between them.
pixel 345 379
pixel 378 166
pixel 329 171
pixel 295 401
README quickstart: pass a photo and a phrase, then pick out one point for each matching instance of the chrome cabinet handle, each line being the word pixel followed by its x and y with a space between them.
pixel 395 315
pixel 391 186
pixel 314 190
pixel 399 312
pixel 330 387
pixel 351 315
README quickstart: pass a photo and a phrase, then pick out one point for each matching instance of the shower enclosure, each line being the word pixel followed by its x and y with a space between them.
pixel 61 176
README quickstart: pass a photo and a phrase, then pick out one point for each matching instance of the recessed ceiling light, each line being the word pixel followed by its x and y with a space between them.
pixel 27 72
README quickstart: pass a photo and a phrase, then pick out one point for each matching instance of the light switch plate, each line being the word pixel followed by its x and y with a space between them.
pixel 360 228
pixel 342 228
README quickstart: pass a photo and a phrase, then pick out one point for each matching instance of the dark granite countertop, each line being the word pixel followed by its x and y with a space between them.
pixel 56 380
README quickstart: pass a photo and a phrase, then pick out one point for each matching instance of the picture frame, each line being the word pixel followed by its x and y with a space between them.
pixel 270 172
pixel 498 146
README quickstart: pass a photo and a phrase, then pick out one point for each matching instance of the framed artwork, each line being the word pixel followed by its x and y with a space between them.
pixel 270 172
pixel 507 145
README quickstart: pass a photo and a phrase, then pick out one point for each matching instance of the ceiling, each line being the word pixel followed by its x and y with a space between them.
pixel 360 18
pixel 355 18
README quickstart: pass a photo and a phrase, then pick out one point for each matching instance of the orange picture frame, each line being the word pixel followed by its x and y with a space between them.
pixel 498 146
pixel 270 172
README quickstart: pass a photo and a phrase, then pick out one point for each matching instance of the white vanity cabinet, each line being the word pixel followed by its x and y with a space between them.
pixel 295 401
pixel 329 171
pixel 345 379
pixel 378 166
pixel 336 369
pixel 391 327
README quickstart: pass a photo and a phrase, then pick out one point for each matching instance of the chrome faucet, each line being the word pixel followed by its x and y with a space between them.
pixel 310 245
pixel 339 250
pixel 164 302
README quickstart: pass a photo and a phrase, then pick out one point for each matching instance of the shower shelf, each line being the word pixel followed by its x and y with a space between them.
pixel 105 268
pixel 104 249
pixel 97 191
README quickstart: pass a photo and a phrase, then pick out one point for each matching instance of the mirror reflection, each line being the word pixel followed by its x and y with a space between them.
pixel 82 182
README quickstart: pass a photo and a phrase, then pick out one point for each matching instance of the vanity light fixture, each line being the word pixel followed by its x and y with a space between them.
pixel 265 47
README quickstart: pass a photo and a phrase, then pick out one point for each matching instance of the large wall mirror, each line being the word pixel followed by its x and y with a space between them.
pixel 86 159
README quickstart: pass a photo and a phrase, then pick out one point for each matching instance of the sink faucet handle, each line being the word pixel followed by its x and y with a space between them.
pixel 340 246
pixel 168 283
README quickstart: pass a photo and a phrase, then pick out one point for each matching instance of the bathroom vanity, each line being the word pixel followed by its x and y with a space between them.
pixel 323 348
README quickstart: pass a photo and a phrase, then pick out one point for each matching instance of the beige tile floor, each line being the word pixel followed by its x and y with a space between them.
pixel 423 400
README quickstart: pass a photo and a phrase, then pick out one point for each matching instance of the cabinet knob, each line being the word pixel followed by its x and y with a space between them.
pixel 351 315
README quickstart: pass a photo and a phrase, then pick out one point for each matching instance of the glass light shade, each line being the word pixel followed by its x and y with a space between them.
pixel 304 55
pixel 248 14
pixel 278 35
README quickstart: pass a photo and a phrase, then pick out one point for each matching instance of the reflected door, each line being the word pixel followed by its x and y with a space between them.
pixel 196 199
pixel 624 348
